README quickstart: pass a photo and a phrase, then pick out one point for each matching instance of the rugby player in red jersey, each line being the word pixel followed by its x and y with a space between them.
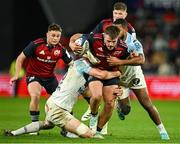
pixel 102 47
pixel 119 12
pixel 42 55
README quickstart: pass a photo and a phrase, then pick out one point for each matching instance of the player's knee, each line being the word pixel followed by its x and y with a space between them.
pixel 83 131
pixel 125 109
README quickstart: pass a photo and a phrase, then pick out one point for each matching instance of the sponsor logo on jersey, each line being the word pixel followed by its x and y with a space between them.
pixel 46 60
pixel 42 52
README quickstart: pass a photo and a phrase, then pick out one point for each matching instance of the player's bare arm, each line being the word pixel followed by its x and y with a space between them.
pixel 19 63
pixel 133 60
pixel 102 74
pixel 137 59
pixel 74 46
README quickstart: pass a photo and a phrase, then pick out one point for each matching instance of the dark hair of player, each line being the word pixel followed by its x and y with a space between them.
pixel 123 22
pixel 54 27
pixel 112 31
pixel 120 6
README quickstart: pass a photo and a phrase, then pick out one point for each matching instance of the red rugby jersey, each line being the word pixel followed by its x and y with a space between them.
pixel 42 58
pixel 100 28
pixel 100 51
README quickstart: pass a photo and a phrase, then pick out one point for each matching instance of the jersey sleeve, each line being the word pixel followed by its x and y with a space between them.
pixel 29 49
pixel 134 34
pixel 66 56
pixel 82 66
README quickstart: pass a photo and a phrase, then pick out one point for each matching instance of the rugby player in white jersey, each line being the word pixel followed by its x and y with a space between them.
pixel 60 103
pixel 133 79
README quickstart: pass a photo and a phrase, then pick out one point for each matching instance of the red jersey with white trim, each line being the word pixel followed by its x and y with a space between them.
pixel 99 50
pixel 42 58
pixel 100 28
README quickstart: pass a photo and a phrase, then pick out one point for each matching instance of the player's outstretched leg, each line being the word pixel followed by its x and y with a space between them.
pixel 71 135
pixel 145 101
pixel 78 128
pixel 32 127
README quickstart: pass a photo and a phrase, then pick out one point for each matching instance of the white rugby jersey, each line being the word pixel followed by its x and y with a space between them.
pixel 71 85
pixel 131 72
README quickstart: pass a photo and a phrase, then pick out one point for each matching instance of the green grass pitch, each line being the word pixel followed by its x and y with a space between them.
pixel 136 128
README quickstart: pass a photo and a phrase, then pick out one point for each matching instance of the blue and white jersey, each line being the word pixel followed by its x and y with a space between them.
pixel 130 73
pixel 71 85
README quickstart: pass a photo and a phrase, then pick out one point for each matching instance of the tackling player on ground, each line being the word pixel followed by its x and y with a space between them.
pixel 60 103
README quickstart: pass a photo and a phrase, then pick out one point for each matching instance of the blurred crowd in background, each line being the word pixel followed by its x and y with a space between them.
pixel 157 25
pixel 159 32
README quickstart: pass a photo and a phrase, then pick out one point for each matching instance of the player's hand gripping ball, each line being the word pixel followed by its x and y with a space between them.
pixel 84 44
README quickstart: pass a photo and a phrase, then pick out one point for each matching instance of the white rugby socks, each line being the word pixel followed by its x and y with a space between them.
pixel 32 127
pixel 161 128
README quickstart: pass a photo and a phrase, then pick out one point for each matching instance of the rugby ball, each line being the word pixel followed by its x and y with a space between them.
pixel 85 45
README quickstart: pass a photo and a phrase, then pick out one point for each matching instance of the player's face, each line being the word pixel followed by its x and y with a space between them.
pixel 110 43
pixel 119 14
pixel 53 37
